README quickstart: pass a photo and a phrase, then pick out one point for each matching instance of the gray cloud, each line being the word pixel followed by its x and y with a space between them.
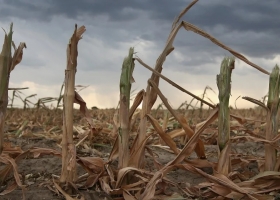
pixel 237 15
pixel 249 27
pixel 115 10
pixel 252 27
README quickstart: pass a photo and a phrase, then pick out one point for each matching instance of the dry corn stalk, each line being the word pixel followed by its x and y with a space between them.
pixel 7 64
pixel 125 87
pixel 68 172
pixel 150 95
pixel 272 118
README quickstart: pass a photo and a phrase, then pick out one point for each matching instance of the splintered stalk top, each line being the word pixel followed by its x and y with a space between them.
pixel 224 78
pixel 224 86
pixel 126 75
pixel 5 62
pixel 273 95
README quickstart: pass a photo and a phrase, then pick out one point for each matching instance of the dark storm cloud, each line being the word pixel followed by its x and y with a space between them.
pixel 238 14
pixel 254 15
pixel 250 27
pixel 116 10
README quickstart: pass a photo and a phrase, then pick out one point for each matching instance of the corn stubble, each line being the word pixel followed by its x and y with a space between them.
pixel 123 131
pixel 224 86
pixel 7 64
pixel 68 172
pixel 131 179
pixel 272 119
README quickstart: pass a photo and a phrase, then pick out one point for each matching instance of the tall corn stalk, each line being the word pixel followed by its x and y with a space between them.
pixel 7 64
pixel 272 118
pixel 125 87
pixel 224 86
pixel 68 171
pixel 150 96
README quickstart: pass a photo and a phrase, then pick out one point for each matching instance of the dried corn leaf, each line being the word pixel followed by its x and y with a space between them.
pixel 95 164
pixel 17 57
pixel 8 160
pixel 135 152
pixel 137 101
pixel 191 27
pixel 165 137
pixel 199 147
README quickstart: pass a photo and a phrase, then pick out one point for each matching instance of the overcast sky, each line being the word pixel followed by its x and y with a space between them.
pixel 250 27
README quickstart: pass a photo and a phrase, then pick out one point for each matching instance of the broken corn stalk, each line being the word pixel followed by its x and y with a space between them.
pixel 272 118
pixel 7 64
pixel 125 86
pixel 224 86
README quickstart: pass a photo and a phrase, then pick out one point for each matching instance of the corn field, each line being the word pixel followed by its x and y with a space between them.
pixel 138 151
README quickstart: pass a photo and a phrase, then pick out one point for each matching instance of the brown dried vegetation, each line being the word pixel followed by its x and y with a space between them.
pixel 232 151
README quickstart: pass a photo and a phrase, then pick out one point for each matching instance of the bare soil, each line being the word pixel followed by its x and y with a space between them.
pixel 38 171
